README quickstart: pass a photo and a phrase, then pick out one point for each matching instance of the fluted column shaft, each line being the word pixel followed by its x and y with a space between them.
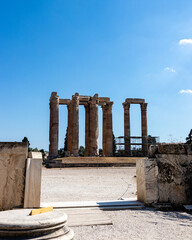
pixel 144 128
pixel 127 132
pixel 54 125
pixel 104 138
pixel 107 129
pixel 87 129
pixel 75 125
pixel 70 126
pixel 94 131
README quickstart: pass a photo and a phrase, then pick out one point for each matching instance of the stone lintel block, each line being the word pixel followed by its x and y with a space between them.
pixel 135 100
pixel 104 99
pixel 84 98
pixel 64 101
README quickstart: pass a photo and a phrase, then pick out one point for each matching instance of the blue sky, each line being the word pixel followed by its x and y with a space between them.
pixel 116 48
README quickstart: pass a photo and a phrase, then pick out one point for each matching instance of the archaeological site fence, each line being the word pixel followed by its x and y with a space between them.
pixel 134 144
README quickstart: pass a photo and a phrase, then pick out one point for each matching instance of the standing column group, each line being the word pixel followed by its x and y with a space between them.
pixel 127 132
pixel 91 124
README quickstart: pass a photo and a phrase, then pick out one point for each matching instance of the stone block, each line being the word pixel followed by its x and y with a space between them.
pixel 13 157
pixel 33 183
pixel 174 178
pixel 135 100
pixel 147 171
pixel 37 155
pixel 166 178
pixel 173 148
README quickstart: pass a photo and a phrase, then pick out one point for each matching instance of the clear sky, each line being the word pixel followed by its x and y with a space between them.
pixel 116 48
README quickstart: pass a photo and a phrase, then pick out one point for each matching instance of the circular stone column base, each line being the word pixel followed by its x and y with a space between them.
pixel 18 224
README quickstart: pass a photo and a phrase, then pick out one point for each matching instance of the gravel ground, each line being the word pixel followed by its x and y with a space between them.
pixel 140 225
pixel 76 184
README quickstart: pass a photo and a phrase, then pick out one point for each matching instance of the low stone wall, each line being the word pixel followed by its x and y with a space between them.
pixel 166 176
pixel 13 157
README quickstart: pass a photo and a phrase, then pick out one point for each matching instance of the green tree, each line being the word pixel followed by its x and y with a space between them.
pixel 35 149
pixel 65 141
pixel 189 138
pixel 100 152
pixel 61 152
pixel 151 140
pixel 43 153
pixel 81 151
pixel 114 145
pixel 25 140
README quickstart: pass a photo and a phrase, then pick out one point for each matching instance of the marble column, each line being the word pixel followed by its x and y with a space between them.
pixel 104 137
pixel 75 125
pixel 107 129
pixel 127 132
pixel 70 127
pixel 87 129
pixel 54 125
pixel 94 131
pixel 144 128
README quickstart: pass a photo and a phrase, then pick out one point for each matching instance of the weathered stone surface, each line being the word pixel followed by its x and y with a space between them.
pixel 135 100
pixel 107 129
pixel 75 126
pixel 175 178
pixel 94 127
pixel 54 125
pixel 147 172
pixel 166 178
pixel 174 148
pixel 87 129
pixel 152 151
pixel 13 157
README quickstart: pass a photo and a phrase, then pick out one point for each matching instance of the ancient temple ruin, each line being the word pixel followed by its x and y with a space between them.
pixel 91 124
